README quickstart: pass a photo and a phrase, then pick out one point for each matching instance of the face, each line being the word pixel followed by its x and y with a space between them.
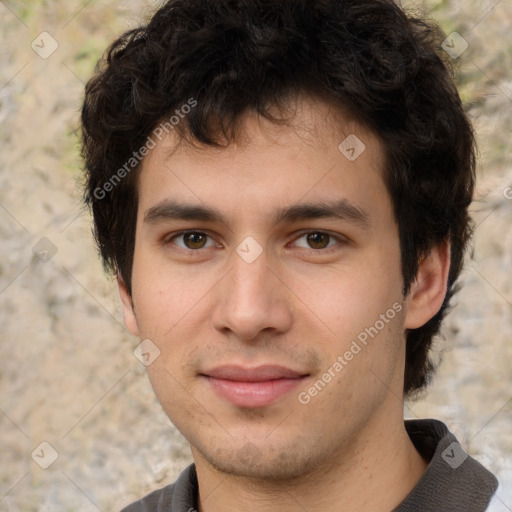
pixel 268 276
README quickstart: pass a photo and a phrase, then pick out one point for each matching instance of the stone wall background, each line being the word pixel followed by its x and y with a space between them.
pixel 68 376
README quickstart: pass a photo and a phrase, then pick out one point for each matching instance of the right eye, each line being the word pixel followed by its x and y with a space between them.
pixel 191 240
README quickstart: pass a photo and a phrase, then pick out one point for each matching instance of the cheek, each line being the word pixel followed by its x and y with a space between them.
pixel 166 297
pixel 174 392
pixel 361 362
pixel 347 301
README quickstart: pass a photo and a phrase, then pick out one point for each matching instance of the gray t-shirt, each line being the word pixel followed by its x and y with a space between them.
pixel 453 481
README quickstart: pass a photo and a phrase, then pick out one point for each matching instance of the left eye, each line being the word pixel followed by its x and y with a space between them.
pixel 316 240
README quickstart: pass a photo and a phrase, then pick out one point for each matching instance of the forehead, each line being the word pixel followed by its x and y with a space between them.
pixel 303 121
pixel 319 153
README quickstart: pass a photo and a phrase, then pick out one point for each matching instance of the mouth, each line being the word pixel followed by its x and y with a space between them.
pixel 253 387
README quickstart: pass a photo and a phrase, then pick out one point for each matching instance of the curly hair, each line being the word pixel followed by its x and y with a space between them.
pixel 371 59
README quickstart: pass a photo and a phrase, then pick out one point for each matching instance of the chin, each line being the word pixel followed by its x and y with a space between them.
pixel 262 463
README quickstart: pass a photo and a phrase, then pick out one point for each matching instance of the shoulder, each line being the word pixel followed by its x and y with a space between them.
pixel 157 501
pixel 453 479
pixel 181 496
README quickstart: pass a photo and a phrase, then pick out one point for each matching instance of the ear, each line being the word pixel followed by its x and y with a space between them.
pixel 428 290
pixel 130 319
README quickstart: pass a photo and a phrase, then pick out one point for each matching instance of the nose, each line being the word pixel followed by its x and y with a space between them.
pixel 252 301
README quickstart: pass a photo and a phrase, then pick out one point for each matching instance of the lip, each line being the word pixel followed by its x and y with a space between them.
pixel 253 387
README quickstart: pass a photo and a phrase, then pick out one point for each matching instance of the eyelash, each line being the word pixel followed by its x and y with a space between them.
pixel 327 250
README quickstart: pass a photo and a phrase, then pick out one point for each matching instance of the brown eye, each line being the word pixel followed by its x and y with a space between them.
pixel 320 241
pixel 190 241
pixel 194 240
pixel 317 240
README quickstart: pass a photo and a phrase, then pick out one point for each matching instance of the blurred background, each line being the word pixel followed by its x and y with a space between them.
pixel 73 398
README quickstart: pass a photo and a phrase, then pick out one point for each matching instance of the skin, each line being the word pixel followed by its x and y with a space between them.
pixel 295 305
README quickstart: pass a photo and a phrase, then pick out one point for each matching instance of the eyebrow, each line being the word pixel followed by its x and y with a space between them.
pixel 342 209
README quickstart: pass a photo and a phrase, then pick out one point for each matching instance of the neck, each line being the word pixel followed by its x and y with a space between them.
pixel 374 472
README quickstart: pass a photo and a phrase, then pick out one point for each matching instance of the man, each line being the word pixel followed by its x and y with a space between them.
pixel 282 189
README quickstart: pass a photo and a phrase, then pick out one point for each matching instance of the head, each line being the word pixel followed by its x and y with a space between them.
pixel 240 107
